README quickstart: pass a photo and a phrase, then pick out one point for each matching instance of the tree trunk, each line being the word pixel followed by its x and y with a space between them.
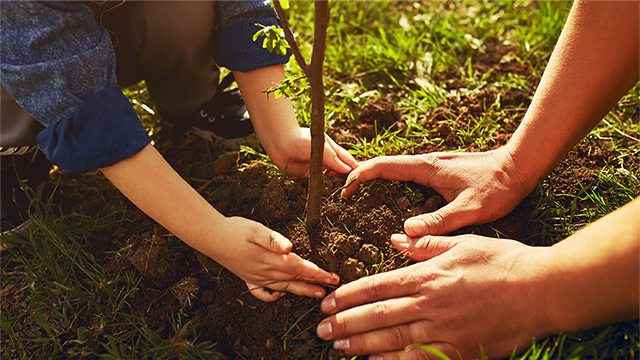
pixel 316 181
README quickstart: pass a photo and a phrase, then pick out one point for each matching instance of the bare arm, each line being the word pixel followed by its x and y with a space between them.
pixel 253 252
pixel 594 64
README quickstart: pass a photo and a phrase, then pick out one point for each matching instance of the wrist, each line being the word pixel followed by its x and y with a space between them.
pixel 534 276
pixel 284 145
pixel 520 174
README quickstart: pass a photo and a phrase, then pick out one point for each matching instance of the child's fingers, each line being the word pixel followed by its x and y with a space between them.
pixel 262 294
pixel 342 153
pixel 299 269
pixel 299 288
pixel 273 241
pixel 332 159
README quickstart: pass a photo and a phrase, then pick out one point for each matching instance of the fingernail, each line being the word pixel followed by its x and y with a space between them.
pixel 324 330
pixel 342 344
pixel 375 357
pixel 335 279
pixel 415 226
pixel 318 294
pixel 400 240
pixel 328 304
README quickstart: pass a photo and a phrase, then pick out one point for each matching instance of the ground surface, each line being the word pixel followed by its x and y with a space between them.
pixel 352 240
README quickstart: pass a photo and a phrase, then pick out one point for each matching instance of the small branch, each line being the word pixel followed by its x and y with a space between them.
pixel 288 35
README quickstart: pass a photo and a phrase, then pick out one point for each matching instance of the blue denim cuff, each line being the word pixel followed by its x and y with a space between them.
pixel 236 50
pixel 102 131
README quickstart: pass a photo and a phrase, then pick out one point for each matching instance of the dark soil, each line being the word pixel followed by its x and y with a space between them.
pixel 352 239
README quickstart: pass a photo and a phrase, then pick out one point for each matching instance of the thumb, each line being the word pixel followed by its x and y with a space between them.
pixel 274 241
pixel 337 158
pixel 447 219
pixel 424 248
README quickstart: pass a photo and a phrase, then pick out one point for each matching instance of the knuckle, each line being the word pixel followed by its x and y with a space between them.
pixel 379 313
pixel 375 288
pixel 298 271
pixel 397 337
pixel 428 159
pixel 341 325
pixel 437 222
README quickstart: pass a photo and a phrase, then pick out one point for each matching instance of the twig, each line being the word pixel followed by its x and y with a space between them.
pixel 620 132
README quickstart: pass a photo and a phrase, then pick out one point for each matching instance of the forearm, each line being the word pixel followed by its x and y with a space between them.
pixel 273 119
pixel 593 274
pixel 156 189
pixel 594 63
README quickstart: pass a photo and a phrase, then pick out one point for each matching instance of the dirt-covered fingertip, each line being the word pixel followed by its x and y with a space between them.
pixel 280 244
pixel 351 186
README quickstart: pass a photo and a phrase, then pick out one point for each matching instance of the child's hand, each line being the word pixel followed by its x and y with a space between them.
pixel 263 259
pixel 292 156
pixel 274 120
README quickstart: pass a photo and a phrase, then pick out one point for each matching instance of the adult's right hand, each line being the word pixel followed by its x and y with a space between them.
pixel 479 187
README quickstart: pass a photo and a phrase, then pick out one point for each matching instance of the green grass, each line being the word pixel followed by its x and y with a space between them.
pixel 409 51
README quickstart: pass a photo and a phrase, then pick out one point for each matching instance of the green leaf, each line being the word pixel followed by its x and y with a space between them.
pixel 5 325
pixel 82 331
pixel 257 34
pixel 428 348
pixel 43 322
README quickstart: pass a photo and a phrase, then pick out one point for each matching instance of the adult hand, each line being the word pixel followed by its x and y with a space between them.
pixel 293 154
pixel 479 187
pixel 472 296
pixel 263 259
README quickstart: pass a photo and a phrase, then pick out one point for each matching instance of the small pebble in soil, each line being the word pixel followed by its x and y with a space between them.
pixel 271 343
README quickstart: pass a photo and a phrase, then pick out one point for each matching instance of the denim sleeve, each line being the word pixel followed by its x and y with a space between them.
pixel 58 63
pixel 234 45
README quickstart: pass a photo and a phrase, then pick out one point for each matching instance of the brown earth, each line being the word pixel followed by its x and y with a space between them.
pixel 352 239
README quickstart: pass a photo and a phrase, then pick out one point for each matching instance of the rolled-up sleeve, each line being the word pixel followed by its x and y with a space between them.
pixel 234 46
pixel 59 65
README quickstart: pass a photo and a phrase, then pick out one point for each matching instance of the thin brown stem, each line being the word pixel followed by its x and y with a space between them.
pixel 316 183
pixel 288 35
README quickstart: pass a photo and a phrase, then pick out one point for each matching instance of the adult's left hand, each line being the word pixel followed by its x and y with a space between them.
pixel 468 296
